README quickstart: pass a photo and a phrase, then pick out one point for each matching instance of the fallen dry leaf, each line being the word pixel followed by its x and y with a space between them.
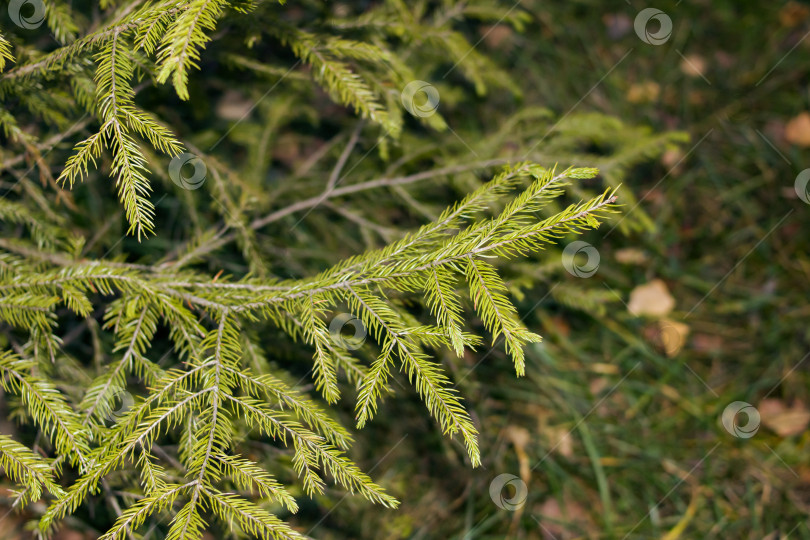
pixel 707 343
pixel 561 325
pixel 774 130
pixel 672 336
pixel 644 92
pixel 520 439
pixel 670 392
pixel 724 59
pixel 654 196
pixel 551 526
pixel 652 299
pixel 693 65
pixel 696 97
pixel 797 131
pixel 234 106
pixel 631 256
pixel 496 35
pixel 793 14
pixel 597 385
pixel 563 522
pixel 603 368
pixel 617 24
pixel 804 474
pixel 518 435
pixel 560 440
pixel 781 419
pixel 673 160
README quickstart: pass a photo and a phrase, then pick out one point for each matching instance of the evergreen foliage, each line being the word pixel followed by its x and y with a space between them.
pixel 181 456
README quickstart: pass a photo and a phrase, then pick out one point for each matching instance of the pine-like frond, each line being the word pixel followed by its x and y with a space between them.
pixel 215 392
pixel 159 500
pixel 315 332
pixel 444 303
pixel 120 117
pixel 181 43
pixel 499 315
pixel 337 76
pixel 29 470
pixel 197 361
pixel 60 21
pixel 46 406
pixel 114 72
pixel 238 512
pixel 269 388
pixel 431 384
pixel 5 52
pixel 248 476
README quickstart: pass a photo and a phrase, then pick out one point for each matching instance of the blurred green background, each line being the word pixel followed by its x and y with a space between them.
pixel 616 429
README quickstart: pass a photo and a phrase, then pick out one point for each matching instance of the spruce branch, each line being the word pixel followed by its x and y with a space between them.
pixel 201 340
pixel 29 470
